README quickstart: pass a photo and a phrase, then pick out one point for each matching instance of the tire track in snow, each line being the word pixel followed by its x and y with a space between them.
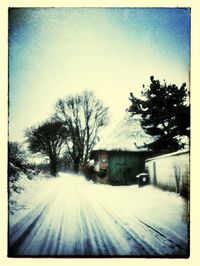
pixel 103 236
pixel 157 244
pixel 82 223
pixel 115 225
pixel 142 248
pixel 168 233
pixel 19 233
pixel 162 235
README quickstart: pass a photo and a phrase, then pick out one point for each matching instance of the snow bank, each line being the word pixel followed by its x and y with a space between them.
pixel 26 193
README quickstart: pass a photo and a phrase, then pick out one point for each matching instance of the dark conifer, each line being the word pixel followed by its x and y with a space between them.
pixel 165 114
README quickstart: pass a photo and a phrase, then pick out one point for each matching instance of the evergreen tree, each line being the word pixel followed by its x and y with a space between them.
pixel 165 114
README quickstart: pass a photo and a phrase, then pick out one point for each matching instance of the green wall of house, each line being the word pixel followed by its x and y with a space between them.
pixel 124 166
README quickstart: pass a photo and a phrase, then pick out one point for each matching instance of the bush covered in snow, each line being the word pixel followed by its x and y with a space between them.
pixel 20 173
pixel 25 189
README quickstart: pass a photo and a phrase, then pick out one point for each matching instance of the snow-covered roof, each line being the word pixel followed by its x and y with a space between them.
pixel 127 135
pixel 179 152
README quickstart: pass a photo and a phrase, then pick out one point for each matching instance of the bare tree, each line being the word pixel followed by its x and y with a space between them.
pixel 48 140
pixel 83 115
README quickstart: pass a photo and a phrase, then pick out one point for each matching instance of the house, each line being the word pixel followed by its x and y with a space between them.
pixel 121 155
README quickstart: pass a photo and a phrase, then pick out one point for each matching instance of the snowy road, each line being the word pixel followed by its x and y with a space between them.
pixel 73 217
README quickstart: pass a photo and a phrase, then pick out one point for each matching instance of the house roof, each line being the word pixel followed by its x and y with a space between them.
pixel 127 135
pixel 179 152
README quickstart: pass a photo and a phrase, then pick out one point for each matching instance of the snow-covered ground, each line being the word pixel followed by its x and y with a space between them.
pixel 69 216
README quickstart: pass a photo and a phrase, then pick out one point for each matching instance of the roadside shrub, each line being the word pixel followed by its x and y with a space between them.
pixel 88 171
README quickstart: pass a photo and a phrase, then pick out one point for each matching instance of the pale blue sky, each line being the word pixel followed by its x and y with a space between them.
pixel 54 52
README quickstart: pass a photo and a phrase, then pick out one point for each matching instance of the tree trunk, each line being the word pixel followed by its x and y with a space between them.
pixel 53 166
pixel 76 164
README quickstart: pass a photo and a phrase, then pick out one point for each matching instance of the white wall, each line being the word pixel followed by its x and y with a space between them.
pixel 171 171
